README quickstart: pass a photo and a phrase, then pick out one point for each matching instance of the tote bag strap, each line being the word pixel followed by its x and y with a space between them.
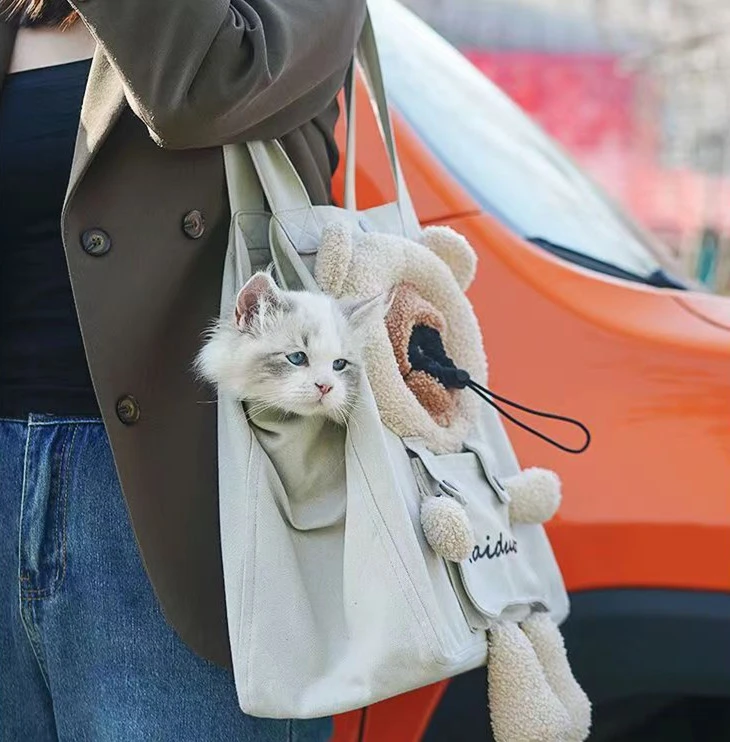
pixel 245 193
pixel 367 53
pixel 246 197
pixel 260 176
pixel 281 182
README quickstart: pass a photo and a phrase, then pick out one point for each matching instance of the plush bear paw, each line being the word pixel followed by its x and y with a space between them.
pixel 534 495
pixel 447 528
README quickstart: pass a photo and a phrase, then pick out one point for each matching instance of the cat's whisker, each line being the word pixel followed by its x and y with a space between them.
pixel 355 404
pixel 347 418
pixel 253 414
pixel 354 424
pixel 259 408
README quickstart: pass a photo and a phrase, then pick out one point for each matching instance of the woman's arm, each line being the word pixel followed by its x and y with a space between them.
pixel 203 73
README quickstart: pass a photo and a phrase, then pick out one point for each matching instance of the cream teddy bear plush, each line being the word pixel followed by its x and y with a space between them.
pixel 533 695
pixel 424 285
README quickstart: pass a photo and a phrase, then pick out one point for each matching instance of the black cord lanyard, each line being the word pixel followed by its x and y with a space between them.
pixel 426 353
pixel 489 396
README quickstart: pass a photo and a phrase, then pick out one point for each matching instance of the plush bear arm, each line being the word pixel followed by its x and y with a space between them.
pixel 534 495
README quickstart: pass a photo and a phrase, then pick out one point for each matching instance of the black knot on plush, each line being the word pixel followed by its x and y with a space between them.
pixel 426 353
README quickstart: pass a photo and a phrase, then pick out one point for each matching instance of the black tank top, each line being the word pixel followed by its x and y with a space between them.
pixel 43 366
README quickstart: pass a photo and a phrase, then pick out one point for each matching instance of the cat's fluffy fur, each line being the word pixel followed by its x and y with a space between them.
pixel 246 354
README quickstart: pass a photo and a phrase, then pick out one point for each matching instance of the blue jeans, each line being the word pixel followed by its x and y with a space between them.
pixel 85 654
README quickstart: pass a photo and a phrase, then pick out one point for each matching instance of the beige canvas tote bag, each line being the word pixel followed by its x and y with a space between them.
pixel 334 598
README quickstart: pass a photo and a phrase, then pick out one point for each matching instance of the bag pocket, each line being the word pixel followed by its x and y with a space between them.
pixel 497 580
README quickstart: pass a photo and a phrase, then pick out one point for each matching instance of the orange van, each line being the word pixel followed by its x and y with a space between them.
pixel 581 314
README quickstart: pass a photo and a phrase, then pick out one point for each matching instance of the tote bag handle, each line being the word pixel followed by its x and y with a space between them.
pixel 367 53
pixel 279 179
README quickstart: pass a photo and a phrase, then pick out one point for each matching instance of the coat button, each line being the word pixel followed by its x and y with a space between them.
pixel 194 224
pixel 96 242
pixel 128 409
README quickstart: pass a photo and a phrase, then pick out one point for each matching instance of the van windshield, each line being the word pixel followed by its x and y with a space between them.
pixel 504 160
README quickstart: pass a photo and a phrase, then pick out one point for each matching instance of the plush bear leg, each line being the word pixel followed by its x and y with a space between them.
pixel 522 704
pixel 550 650
pixel 447 528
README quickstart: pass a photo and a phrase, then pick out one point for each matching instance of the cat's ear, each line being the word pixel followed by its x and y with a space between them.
pixel 259 292
pixel 361 314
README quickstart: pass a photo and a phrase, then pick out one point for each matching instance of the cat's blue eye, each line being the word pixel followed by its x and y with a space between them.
pixel 339 364
pixel 297 359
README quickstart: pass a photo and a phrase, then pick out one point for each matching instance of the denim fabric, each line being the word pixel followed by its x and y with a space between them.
pixel 85 653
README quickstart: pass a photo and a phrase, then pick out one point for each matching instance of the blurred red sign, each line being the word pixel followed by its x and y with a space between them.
pixel 583 101
pixel 610 121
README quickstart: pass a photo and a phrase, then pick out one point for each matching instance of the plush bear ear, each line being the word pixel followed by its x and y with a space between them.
pixel 454 250
pixel 333 258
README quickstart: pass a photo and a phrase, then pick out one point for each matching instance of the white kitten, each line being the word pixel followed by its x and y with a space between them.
pixel 295 351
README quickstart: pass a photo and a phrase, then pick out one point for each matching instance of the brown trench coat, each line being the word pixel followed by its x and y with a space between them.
pixel 170 83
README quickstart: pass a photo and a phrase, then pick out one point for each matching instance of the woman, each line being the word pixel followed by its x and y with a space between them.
pixel 113 227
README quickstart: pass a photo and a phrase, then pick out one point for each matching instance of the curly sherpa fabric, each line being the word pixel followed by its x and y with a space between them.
pixel 441 403
pixel 549 647
pixel 455 251
pixel 447 528
pixel 534 495
pixel 523 706
pixel 408 310
pixel 378 263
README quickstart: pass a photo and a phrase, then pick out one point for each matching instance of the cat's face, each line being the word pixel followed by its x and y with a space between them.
pixel 294 351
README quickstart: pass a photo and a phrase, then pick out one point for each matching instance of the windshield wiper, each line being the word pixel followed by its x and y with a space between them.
pixel 658 278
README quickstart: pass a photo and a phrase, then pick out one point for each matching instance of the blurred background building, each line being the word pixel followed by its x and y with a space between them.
pixel 637 91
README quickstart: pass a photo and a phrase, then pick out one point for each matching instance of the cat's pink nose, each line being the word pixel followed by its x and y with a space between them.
pixel 324 388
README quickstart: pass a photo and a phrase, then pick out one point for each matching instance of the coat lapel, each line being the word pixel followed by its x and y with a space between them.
pixel 103 103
